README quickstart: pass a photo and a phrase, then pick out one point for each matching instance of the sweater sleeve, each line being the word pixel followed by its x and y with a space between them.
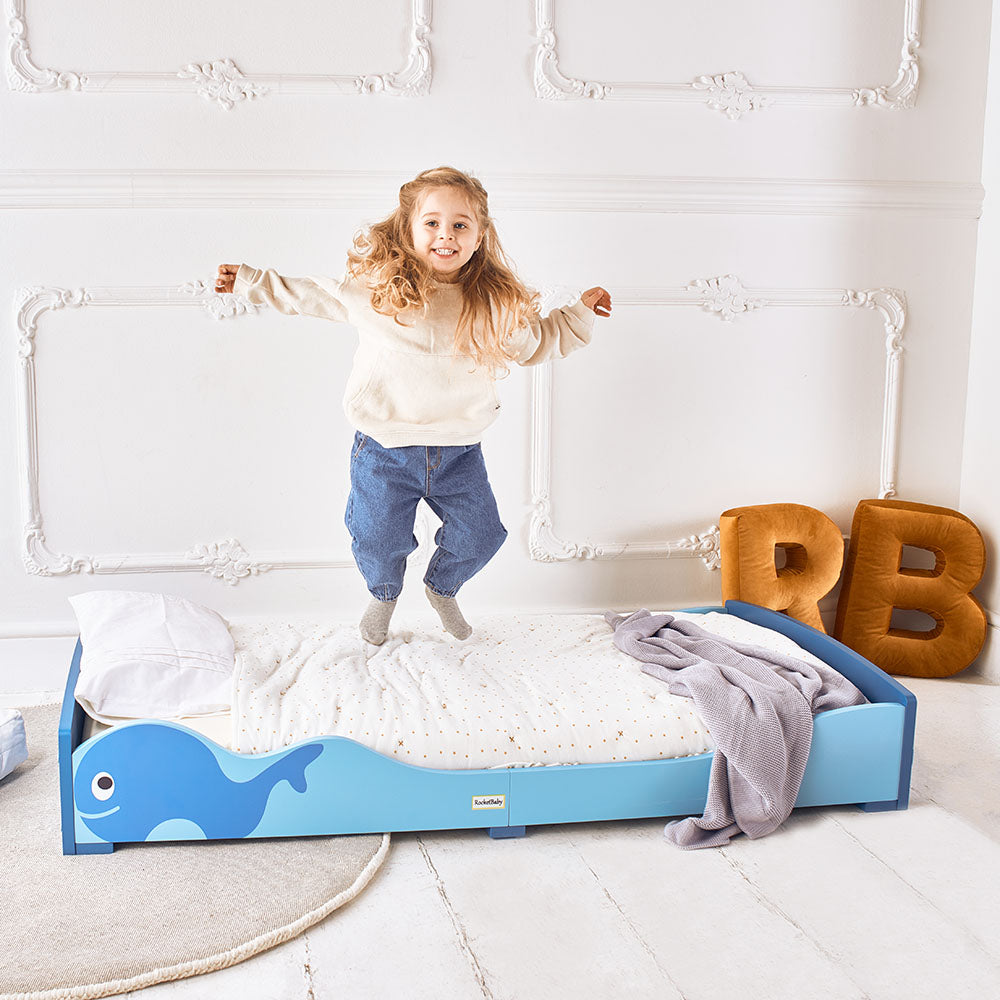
pixel 312 296
pixel 561 332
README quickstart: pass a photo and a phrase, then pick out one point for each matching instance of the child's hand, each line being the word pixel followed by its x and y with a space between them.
pixel 597 299
pixel 227 275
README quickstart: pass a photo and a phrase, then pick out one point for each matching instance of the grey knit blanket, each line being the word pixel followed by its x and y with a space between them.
pixel 758 705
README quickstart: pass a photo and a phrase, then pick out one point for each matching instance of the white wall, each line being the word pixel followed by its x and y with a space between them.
pixel 980 494
pixel 159 428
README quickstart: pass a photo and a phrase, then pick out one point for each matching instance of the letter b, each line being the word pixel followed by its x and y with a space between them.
pixel 875 582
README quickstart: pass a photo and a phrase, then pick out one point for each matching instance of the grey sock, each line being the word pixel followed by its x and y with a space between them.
pixel 375 621
pixel 450 614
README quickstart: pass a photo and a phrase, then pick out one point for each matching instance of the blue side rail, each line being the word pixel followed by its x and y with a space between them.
pixel 875 684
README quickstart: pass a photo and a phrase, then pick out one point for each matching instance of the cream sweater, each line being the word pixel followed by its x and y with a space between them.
pixel 407 386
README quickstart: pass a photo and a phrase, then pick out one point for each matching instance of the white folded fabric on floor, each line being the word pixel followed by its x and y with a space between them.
pixel 13 742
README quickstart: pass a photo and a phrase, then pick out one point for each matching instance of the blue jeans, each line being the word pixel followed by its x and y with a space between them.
pixel 387 484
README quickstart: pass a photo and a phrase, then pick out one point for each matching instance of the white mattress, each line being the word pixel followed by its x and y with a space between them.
pixel 524 690
pixel 218 727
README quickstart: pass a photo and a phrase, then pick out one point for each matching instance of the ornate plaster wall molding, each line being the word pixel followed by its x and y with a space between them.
pixel 731 92
pixel 219 80
pixel 726 297
pixel 225 559
pixel 364 191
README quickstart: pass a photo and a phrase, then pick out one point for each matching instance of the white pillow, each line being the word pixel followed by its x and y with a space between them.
pixel 13 746
pixel 151 656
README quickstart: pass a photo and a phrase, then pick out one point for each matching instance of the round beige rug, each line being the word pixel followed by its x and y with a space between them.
pixel 95 925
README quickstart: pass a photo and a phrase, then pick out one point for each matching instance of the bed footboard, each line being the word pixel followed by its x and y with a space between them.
pixel 875 684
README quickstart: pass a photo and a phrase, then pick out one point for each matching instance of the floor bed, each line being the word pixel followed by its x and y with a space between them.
pixel 156 781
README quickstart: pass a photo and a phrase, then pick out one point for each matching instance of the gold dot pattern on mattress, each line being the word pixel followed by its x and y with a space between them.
pixel 523 690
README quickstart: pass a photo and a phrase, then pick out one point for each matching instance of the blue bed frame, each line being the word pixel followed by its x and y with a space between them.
pixel 155 781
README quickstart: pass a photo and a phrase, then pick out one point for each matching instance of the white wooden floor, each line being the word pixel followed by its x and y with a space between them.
pixel 836 904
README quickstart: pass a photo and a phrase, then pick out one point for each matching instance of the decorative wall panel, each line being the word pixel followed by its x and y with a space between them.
pixel 219 80
pixel 730 92
pixel 224 558
pixel 726 297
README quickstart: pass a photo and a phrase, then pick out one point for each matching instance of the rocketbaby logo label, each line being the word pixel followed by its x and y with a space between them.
pixel 489 801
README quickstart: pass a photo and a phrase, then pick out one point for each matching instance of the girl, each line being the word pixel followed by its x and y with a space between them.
pixel 440 313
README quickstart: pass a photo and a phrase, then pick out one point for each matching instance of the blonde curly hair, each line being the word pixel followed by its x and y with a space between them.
pixel 495 303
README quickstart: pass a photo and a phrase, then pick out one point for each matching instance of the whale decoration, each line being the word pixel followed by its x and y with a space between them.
pixel 135 777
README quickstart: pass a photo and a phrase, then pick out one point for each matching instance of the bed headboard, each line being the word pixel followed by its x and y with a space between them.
pixel 71 720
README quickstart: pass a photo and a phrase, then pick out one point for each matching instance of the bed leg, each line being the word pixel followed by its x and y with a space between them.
pixel 94 848
pixel 503 832
pixel 877 807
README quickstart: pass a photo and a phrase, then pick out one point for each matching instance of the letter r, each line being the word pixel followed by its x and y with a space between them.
pixel 814 555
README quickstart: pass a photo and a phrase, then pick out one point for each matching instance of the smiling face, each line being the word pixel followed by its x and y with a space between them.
pixel 445 232
pixel 102 790
pixel 97 798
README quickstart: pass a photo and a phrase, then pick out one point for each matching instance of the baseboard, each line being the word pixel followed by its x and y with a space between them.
pixel 33 670
pixel 37 630
pixel 987 664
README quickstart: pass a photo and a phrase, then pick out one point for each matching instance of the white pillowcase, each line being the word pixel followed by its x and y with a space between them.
pixel 13 745
pixel 151 656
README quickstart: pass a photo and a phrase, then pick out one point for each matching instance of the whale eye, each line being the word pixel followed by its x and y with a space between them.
pixel 103 786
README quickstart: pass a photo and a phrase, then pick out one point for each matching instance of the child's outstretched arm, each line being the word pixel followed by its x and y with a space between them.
pixel 313 296
pixel 564 330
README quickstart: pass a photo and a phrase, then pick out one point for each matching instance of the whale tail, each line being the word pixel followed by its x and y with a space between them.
pixel 292 768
